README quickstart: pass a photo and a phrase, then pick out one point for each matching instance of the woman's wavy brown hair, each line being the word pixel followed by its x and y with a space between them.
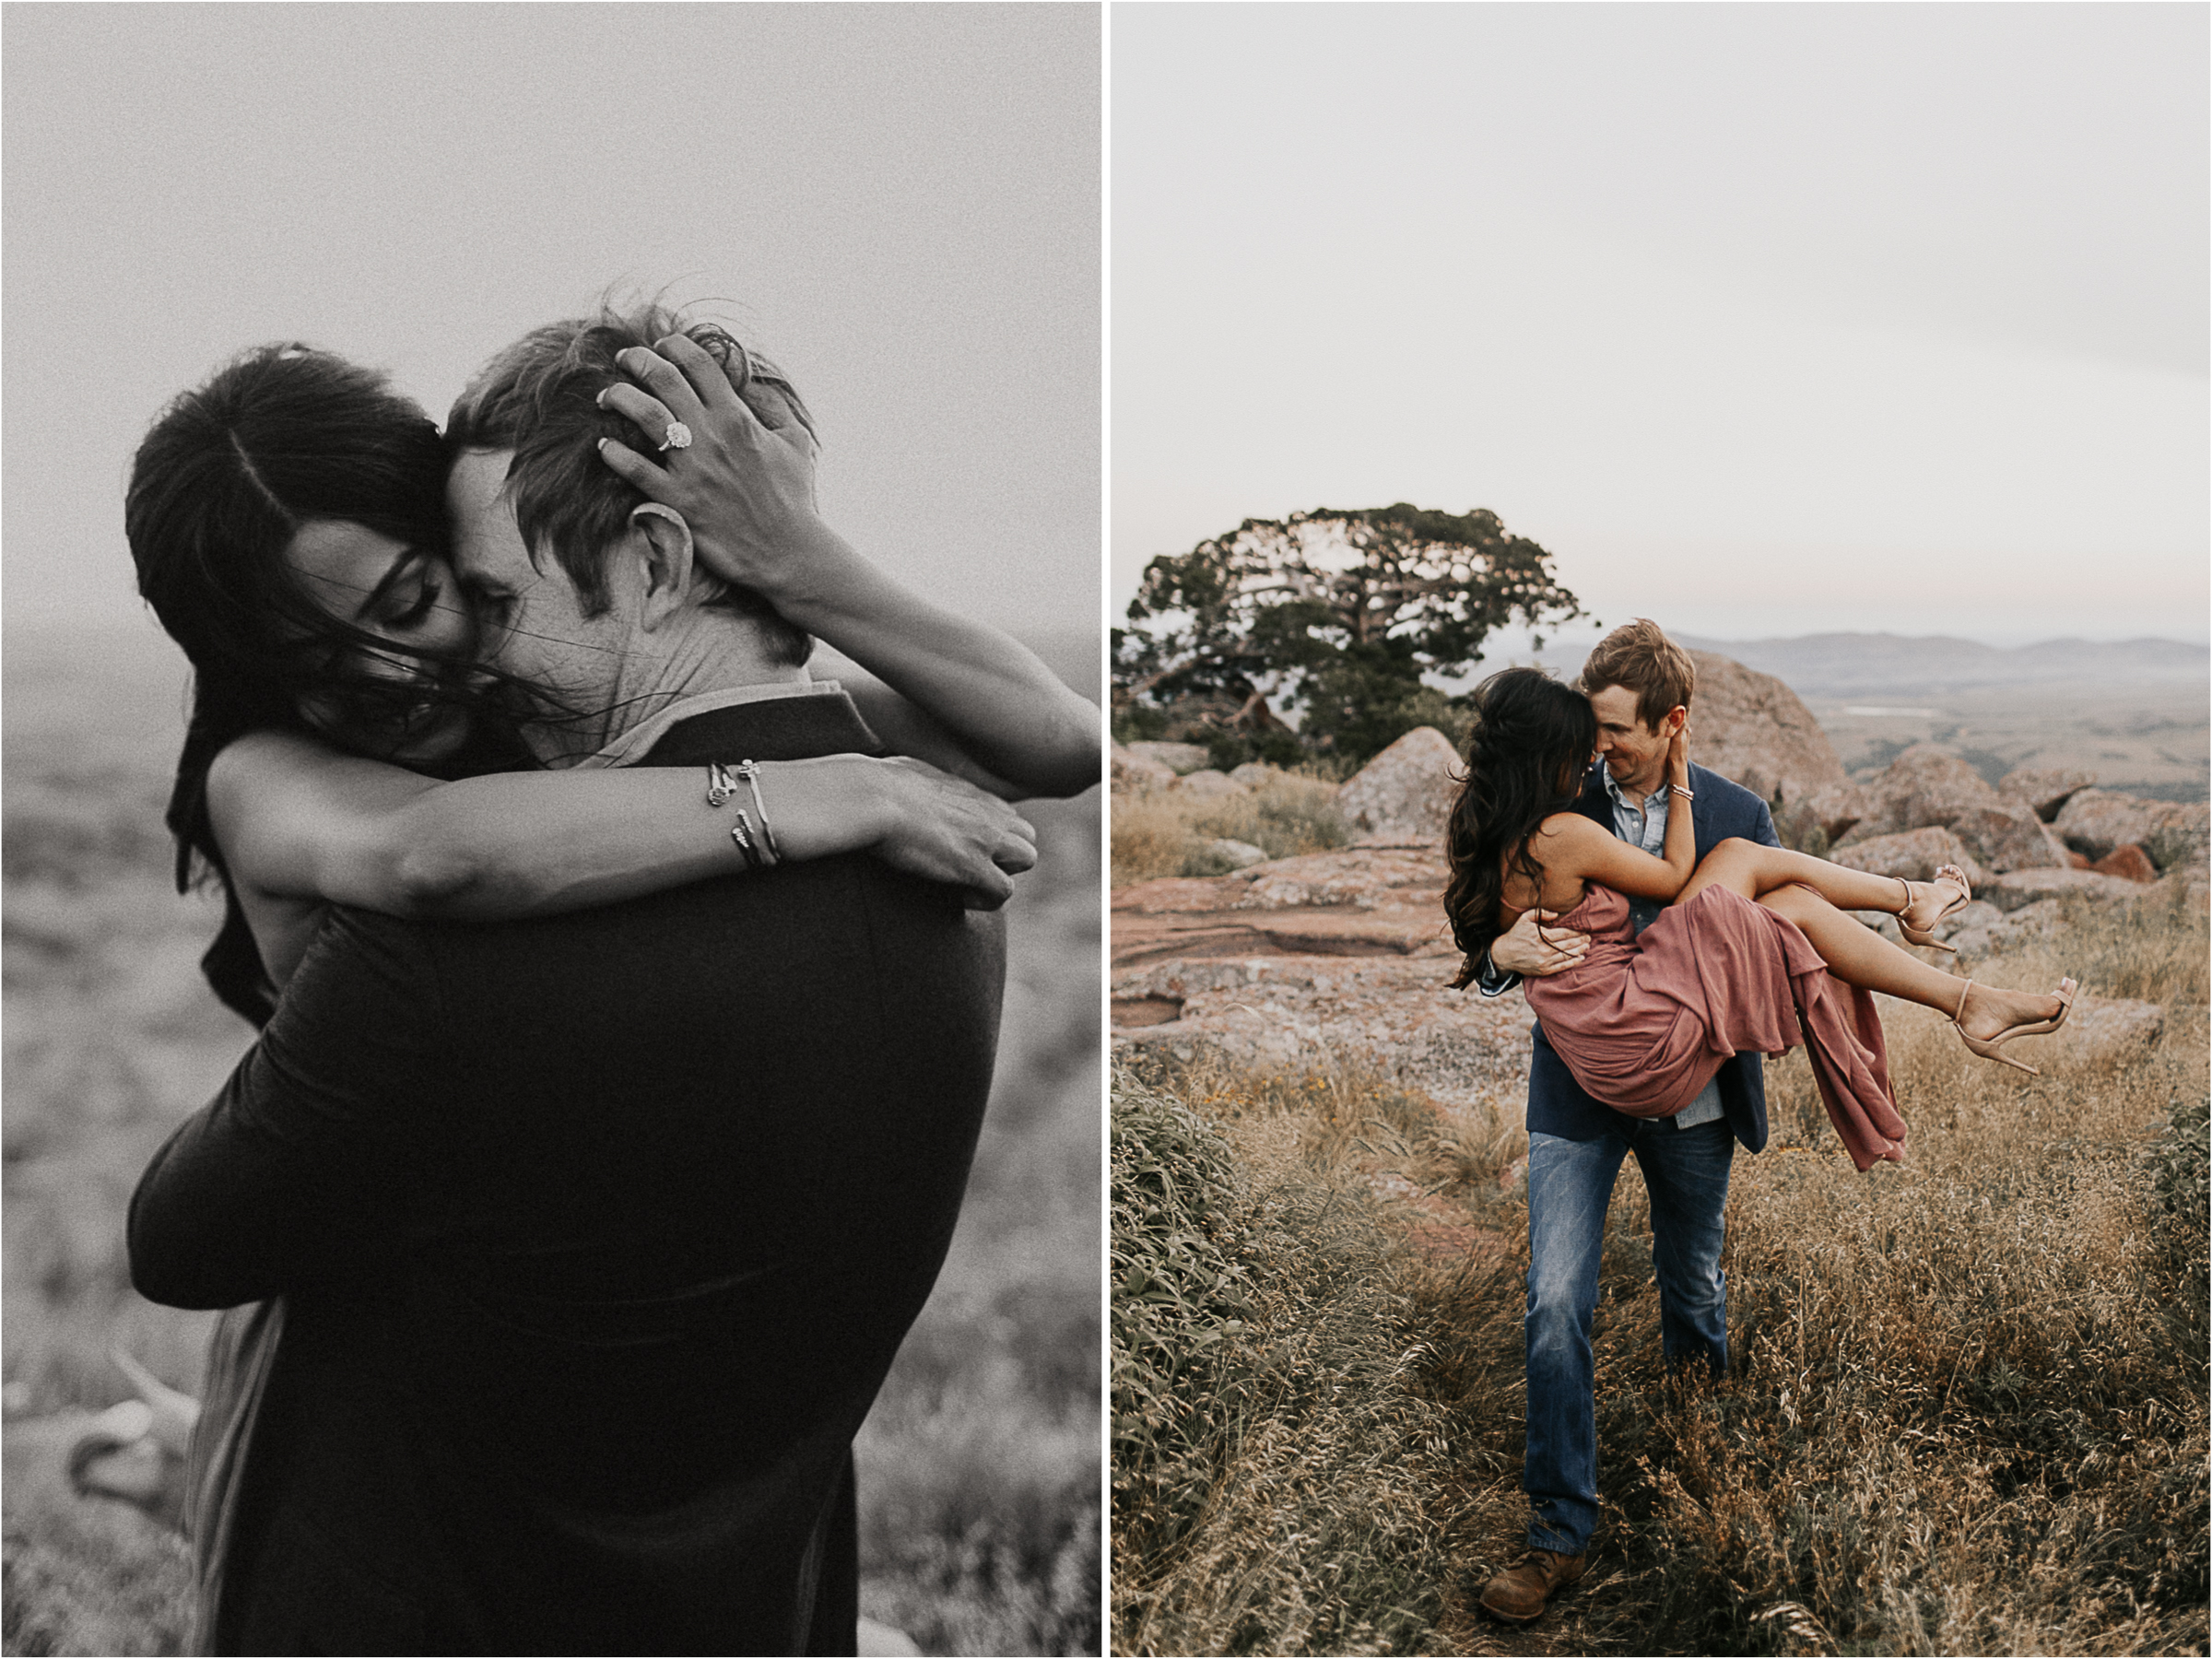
pixel 1533 740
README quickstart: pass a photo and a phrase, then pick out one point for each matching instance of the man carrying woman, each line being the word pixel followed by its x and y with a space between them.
pixel 1698 946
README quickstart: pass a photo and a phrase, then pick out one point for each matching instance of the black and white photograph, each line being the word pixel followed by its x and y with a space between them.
pixel 553 829
pixel 1658 954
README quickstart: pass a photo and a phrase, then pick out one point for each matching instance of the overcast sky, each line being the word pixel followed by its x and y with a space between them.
pixel 902 202
pixel 1763 319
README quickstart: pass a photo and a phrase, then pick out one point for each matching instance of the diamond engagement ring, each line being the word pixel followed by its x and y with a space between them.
pixel 678 437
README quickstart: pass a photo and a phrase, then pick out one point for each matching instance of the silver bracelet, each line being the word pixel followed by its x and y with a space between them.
pixel 742 833
pixel 751 772
pixel 1678 789
pixel 721 786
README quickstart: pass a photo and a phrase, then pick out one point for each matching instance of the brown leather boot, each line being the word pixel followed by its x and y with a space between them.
pixel 1519 1592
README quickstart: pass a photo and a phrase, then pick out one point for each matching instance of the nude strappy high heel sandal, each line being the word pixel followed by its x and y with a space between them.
pixel 2038 1028
pixel 1922 937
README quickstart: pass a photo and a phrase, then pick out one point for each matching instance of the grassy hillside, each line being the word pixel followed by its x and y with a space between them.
pixel 1966 1411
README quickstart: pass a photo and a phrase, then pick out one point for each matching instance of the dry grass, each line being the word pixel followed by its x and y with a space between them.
pixel 1167 833
pixel 1966 1410
pixel 1273 1453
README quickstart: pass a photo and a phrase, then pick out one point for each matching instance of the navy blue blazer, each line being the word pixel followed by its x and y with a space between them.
pixel 1557 1104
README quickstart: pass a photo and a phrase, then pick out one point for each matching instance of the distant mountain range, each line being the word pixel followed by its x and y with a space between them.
pixel 1853 664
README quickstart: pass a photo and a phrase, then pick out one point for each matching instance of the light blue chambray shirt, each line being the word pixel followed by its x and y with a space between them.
pixel 1643 824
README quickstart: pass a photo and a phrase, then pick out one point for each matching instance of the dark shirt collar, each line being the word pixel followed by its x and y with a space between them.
pixel 779 728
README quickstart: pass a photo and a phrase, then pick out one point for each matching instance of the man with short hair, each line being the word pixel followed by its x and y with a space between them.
pixel 599 1232
pixel 1639 684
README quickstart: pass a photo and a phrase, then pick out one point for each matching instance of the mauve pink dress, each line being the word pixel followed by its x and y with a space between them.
pixel 1644 1021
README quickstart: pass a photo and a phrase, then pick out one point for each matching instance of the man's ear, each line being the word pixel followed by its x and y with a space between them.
pixel 1674 720
pixel 665 548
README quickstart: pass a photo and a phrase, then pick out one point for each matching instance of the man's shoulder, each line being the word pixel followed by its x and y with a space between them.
pixel 1723 800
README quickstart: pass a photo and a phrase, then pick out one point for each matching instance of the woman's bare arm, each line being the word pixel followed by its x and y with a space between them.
pixel 745 486
pixel 1569 845
pixel 298 821
pixel 1571 848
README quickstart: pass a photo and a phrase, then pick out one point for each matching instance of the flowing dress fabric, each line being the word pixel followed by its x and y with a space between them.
pixel 240 1354
pixel 1644 1021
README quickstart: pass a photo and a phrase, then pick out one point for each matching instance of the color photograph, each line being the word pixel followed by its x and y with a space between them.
pixel 1659 590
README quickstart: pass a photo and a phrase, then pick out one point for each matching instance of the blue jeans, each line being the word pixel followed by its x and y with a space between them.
pixel 1570 1184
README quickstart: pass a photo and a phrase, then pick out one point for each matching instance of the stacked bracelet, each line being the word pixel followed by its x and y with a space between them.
pixel 747 843
pixel 751 772
pixel 756 841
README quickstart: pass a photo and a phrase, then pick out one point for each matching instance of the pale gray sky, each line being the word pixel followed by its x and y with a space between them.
pixel 1766 319
pixel 901 201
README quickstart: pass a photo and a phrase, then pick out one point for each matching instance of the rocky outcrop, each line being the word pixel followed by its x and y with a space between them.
pixel 1754 729
pixel 1929 786
pixel 2044 789
pixel 2097 823
pixel 1925 786
pixel 1981 929
pixel 1293 962
pixel 2129 862
pixel 1915 855
pixel 2111 1028
pixel 1176 756
pixel 1236 855
pixel 2183 840
pixel 1399 1017
pixel 2009 838
pixel 1837 810
pixel 2016 889
pixel 1134 773
pixel 1308 960
pixel 1405 793
pixel 1364 902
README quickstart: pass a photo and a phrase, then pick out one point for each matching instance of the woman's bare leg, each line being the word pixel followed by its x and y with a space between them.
pixel 1750 869
pixel 1857 955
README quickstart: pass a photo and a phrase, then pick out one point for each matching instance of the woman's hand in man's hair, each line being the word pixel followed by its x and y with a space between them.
pixel 743 482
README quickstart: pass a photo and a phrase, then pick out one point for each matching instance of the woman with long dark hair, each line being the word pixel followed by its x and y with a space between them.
pixel 287 520
pixel 1747 958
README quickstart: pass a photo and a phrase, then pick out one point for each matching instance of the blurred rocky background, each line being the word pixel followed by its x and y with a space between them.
pixel 2084 783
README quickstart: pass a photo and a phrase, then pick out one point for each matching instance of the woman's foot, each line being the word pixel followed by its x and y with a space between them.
pixel 1928 902
pixel 1989 1018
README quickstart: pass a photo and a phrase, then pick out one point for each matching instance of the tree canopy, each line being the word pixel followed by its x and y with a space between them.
pixel 1340 610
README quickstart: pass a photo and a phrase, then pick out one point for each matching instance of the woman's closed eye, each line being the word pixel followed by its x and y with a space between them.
pixel 411 613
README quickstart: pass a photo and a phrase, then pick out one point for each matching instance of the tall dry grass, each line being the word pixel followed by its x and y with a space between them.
pixel 1168 833
pixel 1274 1453
pixel 1966 1407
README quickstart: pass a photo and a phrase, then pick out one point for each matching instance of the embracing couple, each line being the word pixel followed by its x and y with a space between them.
pixel 1667 941
pixel 628 997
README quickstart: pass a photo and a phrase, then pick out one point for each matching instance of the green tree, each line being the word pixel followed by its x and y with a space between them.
pixel 1343 612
